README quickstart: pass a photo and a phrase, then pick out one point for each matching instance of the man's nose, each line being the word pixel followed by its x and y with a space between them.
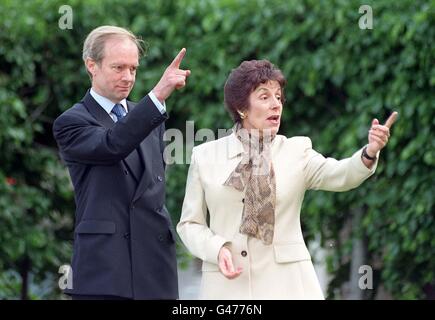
pixel 127 75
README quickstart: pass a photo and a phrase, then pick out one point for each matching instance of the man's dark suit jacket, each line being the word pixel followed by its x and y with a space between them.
pixel 124 242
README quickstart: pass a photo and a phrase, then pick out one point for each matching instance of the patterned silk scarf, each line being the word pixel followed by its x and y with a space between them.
pixel 255 173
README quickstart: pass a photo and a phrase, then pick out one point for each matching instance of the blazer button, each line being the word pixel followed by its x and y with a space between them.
pixel 126 172
pixel 159 178
pixel 127 235
pixel 132 207
pixel 244 253
pixel 160 237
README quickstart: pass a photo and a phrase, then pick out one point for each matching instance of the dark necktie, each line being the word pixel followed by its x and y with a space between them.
pixel 119 111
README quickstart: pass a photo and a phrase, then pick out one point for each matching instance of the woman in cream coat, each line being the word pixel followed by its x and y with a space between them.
pixel 252 183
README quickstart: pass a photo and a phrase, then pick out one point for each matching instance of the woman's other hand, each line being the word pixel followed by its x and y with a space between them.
pixel 225 263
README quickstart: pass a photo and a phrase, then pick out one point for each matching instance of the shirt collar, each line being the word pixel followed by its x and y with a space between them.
pixel 105 103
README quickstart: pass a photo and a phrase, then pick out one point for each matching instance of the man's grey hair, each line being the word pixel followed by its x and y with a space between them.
pixel 93 48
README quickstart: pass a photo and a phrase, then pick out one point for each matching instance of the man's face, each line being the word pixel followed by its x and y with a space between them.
pixel 114 76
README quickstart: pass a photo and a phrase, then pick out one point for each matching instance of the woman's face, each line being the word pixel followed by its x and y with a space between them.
pixel 265 108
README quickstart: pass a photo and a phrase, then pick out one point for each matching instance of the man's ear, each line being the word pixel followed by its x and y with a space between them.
pixel 90 66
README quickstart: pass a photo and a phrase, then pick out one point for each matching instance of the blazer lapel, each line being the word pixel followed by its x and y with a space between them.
pixel 134 161
pixel 103 117
pixel 235 146
pixel 97 111
pixel 146 158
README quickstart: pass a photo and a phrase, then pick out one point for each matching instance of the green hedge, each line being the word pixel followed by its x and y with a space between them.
pixel 339 78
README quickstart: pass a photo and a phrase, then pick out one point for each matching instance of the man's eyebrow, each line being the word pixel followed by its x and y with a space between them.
pixel 123 64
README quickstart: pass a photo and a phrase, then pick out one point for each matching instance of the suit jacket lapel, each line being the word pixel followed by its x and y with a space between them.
pixel 146 159
pixel 235 146
pixel 128 161
pixel 103 117
pixel 97 111
pixel 146 178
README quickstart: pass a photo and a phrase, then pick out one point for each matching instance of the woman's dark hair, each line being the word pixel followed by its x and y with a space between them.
pixel 243 80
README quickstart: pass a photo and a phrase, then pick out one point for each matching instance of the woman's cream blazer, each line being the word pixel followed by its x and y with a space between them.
pixel 282 270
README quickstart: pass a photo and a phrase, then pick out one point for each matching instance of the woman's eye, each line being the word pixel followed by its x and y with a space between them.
pixel 279 98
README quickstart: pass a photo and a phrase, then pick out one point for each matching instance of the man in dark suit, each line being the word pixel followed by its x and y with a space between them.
pixel 124 242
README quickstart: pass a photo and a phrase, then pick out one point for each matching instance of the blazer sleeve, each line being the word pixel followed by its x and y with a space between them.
pixel 334 175
pixel 192 227
pixel 83 140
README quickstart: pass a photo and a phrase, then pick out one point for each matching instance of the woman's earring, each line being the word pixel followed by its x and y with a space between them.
pixel 241 114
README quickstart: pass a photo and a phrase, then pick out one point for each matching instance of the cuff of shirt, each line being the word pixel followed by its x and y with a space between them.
pixel 157 103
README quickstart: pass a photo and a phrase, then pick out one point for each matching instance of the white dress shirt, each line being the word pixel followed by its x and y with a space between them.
pixel 108 105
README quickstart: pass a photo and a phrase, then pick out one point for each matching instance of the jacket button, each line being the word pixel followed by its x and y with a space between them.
pixel 244 253
pixel 132 207
pixel 126 172
pixel 127 235
pixel 159 178
pixel 160 237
